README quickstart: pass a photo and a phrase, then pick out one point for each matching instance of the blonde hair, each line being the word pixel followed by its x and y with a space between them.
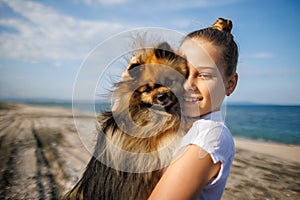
pixel 220 35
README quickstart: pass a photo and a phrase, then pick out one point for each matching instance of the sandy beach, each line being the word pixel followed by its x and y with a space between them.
pixel 42 157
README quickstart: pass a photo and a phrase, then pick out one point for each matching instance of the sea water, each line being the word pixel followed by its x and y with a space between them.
pixel 279 124
pixel 271 123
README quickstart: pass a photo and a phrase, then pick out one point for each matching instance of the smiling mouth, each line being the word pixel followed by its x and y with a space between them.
pixel 192 99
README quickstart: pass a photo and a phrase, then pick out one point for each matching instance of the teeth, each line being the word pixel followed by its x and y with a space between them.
pixel 191 99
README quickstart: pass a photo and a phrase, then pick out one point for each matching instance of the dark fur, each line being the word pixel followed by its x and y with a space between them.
pixel 150 123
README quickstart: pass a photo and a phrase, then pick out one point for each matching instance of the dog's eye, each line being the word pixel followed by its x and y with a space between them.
pixel 148 89
pixel 169 82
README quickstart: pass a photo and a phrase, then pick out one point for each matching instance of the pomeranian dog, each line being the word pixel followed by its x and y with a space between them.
pixel 137 138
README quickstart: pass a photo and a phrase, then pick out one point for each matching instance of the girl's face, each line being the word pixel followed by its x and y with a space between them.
pixel 204 88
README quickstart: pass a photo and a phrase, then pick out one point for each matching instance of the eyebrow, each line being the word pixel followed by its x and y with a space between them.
pixel 205 67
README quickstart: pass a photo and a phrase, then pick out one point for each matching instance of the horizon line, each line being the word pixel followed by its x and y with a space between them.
pixel 58 100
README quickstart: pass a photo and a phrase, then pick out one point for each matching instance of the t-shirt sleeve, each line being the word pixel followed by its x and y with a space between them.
pixel 216 141
pixel 214 138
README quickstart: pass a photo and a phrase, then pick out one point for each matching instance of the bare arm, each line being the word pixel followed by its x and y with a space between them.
pixel 187 176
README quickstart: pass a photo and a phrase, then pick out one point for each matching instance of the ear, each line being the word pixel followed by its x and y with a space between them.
pixel 231 84
pixel 163 50
pixel 132 70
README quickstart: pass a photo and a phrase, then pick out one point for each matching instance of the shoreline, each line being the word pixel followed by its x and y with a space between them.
pixel 271 148
pixel 287 152
pixel 41 148
pixel 240 138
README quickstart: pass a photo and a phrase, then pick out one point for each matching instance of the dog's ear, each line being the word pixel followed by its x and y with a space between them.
pixel 164 51
pixel 134 70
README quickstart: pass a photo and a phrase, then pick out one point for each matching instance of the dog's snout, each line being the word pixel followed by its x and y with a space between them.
pixel 163 98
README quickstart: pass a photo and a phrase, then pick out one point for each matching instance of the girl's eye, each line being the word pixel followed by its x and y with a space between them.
pixel 205 76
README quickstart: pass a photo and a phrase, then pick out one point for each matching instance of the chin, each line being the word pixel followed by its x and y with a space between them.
pixel 191 111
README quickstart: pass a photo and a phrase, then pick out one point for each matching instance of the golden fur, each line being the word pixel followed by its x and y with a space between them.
pixel 137 138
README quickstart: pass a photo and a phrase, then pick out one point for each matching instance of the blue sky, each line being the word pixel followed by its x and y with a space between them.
pixel 43 43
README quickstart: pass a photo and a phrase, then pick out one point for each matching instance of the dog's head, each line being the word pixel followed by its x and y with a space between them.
pixel 157 77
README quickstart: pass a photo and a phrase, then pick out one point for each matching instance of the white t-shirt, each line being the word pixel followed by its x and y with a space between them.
pixel 211 134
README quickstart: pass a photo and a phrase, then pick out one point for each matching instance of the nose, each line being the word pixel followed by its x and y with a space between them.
pixel 162 98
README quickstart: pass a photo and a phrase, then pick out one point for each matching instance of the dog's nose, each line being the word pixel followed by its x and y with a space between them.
pixel 162 98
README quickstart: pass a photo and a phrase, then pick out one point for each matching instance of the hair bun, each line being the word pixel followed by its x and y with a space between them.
pixel 224 25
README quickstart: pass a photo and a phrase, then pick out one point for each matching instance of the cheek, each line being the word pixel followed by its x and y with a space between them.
pixel 205 88
pixel 218 95
pixel 215 91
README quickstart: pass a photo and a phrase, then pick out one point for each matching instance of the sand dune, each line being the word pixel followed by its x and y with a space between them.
pixel 42 157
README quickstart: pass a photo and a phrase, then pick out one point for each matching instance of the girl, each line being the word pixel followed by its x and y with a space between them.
pixel 202 169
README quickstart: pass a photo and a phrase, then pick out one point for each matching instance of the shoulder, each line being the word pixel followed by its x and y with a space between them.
pixel 211 131
pixel 212 136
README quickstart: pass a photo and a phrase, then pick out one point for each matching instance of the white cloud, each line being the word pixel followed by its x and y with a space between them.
pixel 105 2
pixel 183 4
pixel 162 4
pixel 42 33
pixel 260 55
pixel 263 55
